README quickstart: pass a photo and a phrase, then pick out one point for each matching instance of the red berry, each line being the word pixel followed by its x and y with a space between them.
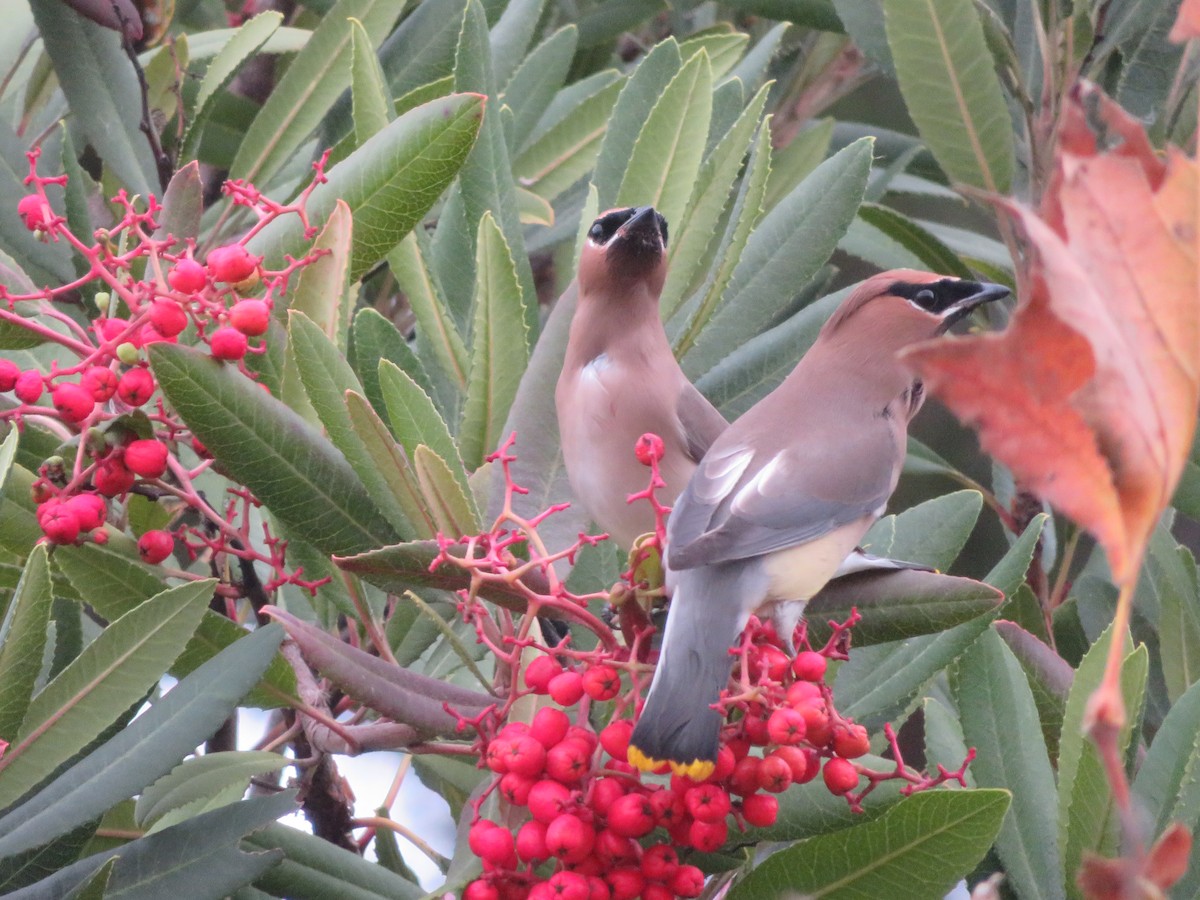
pixel 531 842
pixel 496 757
pixel 654 891
pixel 804 693
pixel 631 816
pixel 774 775
pixel 480 890
pixel 626 883
pixel 803 761
pixel 113 329
pixel 809 666
pixel 817 727
pixel 707 802
pixel 754 725
pixel 90 509
pixel 549 726
pixel 100 536
pixel 601 682
pixel 615 849
pixel 167 317
pixel 525 756
pixel 569 838
pixel 34 211
pixel 569 886
pixel 515 788
pixel 708 837
pixel 688 881
pixel 59 524
pixel 232 264
pixel 850 741
pixel 187 276
pixel 100 382
pixel 111 478
pixel 155 546
pixel 250 317
pixel 840 775
pixel 649 449
pixel 745 776
pixel 73 402
pixel 147 458
pixel 228 343
pixel 726 762
pixel 566 689
pixel 772 662
pixel 568 762
pixel 615 738
pixel 659 862
pixel 136 387
pixel 490 842
pixel 9 373
pixel 547 800
pixel 605 791
pixel 29 386
pixel 786 726
pixel 539 672
pixel 669 807
pixel 760 810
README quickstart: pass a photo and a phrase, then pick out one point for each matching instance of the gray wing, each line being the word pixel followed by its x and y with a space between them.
pixel 701 422
pixel 744 502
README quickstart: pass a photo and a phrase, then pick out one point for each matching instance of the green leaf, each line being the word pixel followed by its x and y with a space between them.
pixel 932 253
pixel 110 675
pixel 691 238
pixel 95 886
pixel 320 291
pixel 746 212
pixel 637 100
pixel 666 157
pixel 182 205
pixel 416 421
pixel 1087 815
pixel 787 248
pixel 951 89
pixel 1174 576
pixel 201 784
pixel 499 345
pixel 511 35
pixel 925 842
pixel 795 162
pixel 327 377
pixel 302 478
pixel 409 263
pixel 372 105
pixel 373 338
pixel 999 718
pixel 536 80
pixel 389 182
pixel 449 504
pixel 199 858
pixel 1048 674
pixel 1166 782
pixel 724 47
pixel 1009 574
pixel 102 91
pixel 309 87
pixel 324 869
pixel 932 533
pixel 23 638
pixel 148 747
pixel 239 47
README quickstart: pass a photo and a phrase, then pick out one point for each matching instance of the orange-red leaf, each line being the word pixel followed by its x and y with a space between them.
pixel 1187 23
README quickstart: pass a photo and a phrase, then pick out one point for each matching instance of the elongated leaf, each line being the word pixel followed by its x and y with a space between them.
pixel 951 90
pixel 511 35
pixel 926 842
pixel 184 791
pixel 372 105
pixel 320 291
pixel 240 46
pixel 327 377
pixel 182 205
pixel 1000 719
pixel 416 421
pixel 23 639
pixel 389 182
pixel 932 253
pixel 691 238
pixel 499 347
pixel 795 162
pixel 787 248
pixel 537 79
pixel 199 858
pixel 111 674
pixel 1165 783
pixel 315 79
pixel 409 263
pixel 450 506
pixel 666 156
pixel 932 533
pixel 148 747
pixel 305 482
pixel 1048 674
pixel 102 91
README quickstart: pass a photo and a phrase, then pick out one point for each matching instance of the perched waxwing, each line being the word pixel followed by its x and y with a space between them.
pixel 783 495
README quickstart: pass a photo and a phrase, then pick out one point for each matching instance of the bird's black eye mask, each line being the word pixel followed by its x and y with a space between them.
pixel 936 296
pixel 606 226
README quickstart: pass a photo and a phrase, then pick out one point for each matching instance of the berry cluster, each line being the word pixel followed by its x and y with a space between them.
pixel 570 816
pixel 145 287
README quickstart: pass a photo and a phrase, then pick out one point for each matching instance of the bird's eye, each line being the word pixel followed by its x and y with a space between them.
pixel 924 299
pixel 596 233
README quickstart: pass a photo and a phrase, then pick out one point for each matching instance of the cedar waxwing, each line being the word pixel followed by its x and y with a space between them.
pixel 620 378
pixel 783 495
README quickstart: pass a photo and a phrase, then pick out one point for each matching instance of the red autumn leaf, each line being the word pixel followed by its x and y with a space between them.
pixel 1187 23
pixel 1169 857
pixel 1090 396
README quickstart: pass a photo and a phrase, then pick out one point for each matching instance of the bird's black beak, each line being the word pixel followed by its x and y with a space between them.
pixel 979 293
pixel 643 237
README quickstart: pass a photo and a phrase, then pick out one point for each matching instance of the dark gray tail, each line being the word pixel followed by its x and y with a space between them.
pixel 677 724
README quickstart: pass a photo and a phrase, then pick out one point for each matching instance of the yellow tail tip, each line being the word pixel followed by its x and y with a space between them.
pixel 697 769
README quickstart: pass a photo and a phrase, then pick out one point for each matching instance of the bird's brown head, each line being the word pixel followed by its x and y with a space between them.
pixel 891 310
pixel 625 247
